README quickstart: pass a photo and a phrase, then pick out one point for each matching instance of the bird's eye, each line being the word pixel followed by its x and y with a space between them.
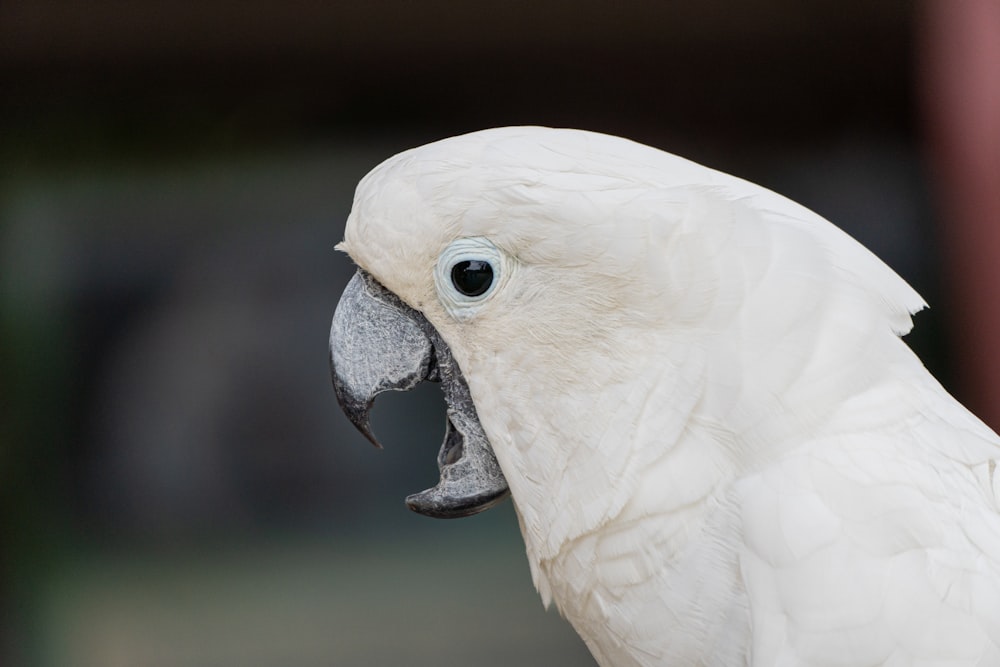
pixel 472 277
pixel 469 271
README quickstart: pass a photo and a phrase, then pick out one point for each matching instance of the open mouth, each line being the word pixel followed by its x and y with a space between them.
pixel 378 344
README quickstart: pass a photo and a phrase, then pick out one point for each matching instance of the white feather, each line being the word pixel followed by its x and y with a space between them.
pixel 720 451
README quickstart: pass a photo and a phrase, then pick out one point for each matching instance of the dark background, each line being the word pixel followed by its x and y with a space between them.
pixel 178 485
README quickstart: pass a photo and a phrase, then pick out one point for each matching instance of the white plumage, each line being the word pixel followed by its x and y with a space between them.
pixel 720 451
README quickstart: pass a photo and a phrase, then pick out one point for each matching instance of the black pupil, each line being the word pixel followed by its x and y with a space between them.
pixel 472 277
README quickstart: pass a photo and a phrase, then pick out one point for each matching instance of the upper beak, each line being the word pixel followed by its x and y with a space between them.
pixel 377 344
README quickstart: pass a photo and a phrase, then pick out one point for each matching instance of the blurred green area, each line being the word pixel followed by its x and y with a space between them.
pixel 459 597
pixel 177 486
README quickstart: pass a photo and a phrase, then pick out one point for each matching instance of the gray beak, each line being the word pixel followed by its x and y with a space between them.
pixel 377 344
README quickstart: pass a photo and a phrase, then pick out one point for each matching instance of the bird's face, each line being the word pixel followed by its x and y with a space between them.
pixel 506 284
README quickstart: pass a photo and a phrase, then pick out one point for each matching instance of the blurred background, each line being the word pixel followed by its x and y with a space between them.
pixel 177 484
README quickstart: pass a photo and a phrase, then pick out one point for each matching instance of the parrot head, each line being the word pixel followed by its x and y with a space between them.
pixel 578 295
pixel 487 257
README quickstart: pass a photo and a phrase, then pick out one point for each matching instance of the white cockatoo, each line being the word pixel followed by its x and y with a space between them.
pixel 719 449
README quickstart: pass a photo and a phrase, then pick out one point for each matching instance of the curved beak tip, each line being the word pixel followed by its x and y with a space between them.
pixel 371 438
pixel 356 411
pixel 366 430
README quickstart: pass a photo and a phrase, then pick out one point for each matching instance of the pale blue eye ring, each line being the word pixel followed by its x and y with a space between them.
pixel 468 272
